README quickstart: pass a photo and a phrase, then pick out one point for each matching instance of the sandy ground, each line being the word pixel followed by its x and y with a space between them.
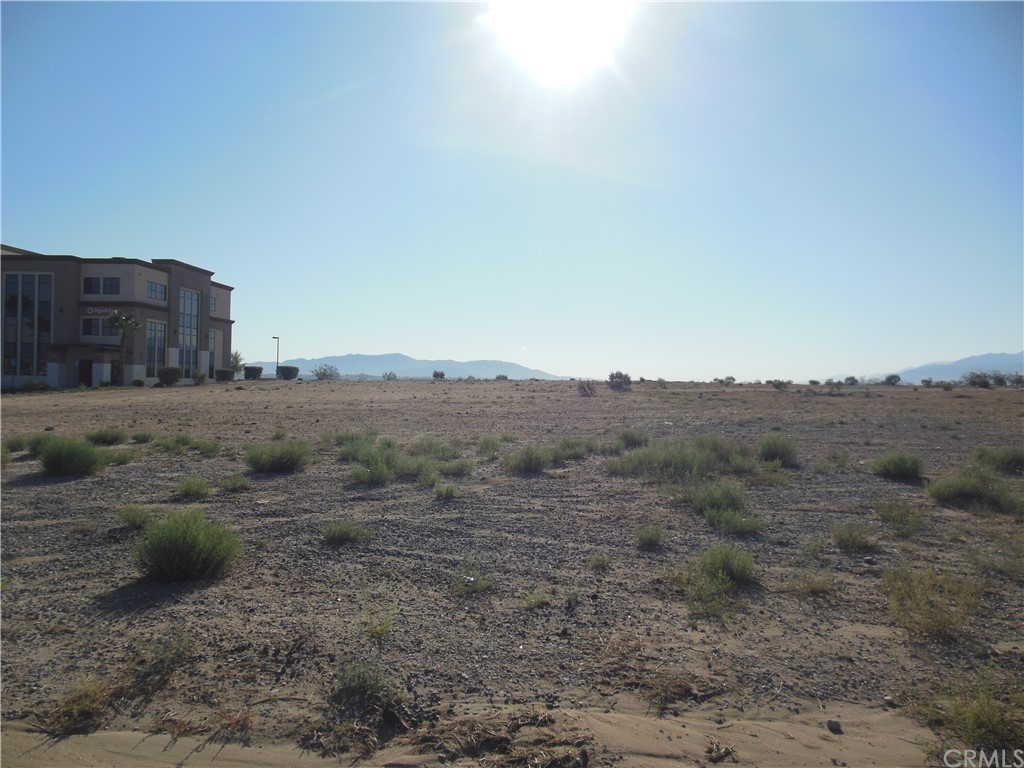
pixel 261 647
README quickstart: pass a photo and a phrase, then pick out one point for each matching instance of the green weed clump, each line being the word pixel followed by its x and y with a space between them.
pixel 176 444
pixel 713 576
pixel 136 517
pixel 489 447
pixel 208 448
pixel 192 489
pixel 851 536
pixel 142 437
pixel 778 447
pixel 470 580
pixel 83 711
pixel 903 519
pixel 185 547
pixel 16 443
pixel 651 537
pixel 107 436
pixel 724 505
pixel 236 484
pixel 1003 559
pixel 927 603
pixel 531 458
pixel 599 561
pixel 977 489
pixel 65 457
pixel 899 465
pixel 674 461
pixel 279 457
pixel 1008 460
pixel 346 532
pixel 984 716
pixel 446 492
pixel 631 437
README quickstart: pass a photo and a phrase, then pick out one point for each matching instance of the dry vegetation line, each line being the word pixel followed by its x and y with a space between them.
pixel 519 573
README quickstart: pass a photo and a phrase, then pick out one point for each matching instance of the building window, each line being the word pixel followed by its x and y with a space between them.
pixel 110 286
pixel 98 326
pixel 188 332
pixel 213 304
pixel 213 356
pixel 156 291
pixel 28 323
pixel 156 346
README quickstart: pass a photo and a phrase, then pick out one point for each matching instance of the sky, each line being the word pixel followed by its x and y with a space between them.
pixel 758 190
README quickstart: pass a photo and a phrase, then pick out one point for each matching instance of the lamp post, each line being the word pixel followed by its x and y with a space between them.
pixel 277 369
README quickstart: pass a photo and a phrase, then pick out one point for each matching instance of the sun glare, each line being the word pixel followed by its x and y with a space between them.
pixel 559 42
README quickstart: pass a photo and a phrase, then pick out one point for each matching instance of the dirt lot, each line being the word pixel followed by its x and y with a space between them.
pixel 559 663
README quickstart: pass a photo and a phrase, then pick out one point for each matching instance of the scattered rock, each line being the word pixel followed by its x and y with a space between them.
pixel 834 726
pixel 870 560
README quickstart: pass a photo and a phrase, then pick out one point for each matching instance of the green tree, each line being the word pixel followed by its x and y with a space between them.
pixel 237 362
pixel 124 324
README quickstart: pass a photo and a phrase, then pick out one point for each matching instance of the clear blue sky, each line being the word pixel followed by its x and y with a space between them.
pixel 759 190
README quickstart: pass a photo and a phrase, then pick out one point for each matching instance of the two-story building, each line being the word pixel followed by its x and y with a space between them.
pixel 57 319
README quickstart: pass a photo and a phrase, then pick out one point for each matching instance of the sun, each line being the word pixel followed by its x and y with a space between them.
pixel 559 42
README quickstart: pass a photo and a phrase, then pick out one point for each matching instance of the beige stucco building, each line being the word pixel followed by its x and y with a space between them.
pixel 57 309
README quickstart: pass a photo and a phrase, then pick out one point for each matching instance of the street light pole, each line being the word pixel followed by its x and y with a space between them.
pixel 277 369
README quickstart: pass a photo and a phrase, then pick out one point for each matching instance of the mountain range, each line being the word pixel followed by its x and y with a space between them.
pixel 405 367
pixel 1001 362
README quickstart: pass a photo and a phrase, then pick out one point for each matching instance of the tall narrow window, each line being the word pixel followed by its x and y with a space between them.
pixel 212 374
pixel 156 346
pixel 188 332
pixel 28 323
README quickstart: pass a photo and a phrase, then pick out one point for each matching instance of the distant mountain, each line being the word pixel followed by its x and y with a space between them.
pixel 405 367
pixel 1001 362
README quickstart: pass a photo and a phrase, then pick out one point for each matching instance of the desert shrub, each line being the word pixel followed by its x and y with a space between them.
pixel 353 445
pixel 470 580
pixel 531 458
pixel 34 385
pixel 208 448
pixel 851 536
pixel 390 376
pixel 199 378
pixel 674 461
pixel 434 448
pixel 572 448
pixel 489 446
pixel 975 488
pixel 287 372
pixel 586 388
pixel 458 468
pixel 598 561
pixel 64 457
pixel 186 547
pixel 984 716
pixel 17 443
pixel 892 379
pixel 121 456
pixel 445 492
pixel 928 603
pixel 252 372
pixel 438 375
pixel 345 532
pixel 83 711
pixel 779 384
pixel 168 376
pixel 713 575
pixel 138 383
pixel 107 436
pixel 1007 459
pixel 326 372
pixel 724 504
pixel 142 437
pixel 175 444
pixel 539 598
pixel 38 441
pixel 362 688
pixel 631 438
pixel 192 489
pixel 222 375
pixel 279 457
pixel 1006 558
pixel 136 516
pixel 501 377
pixel 904 519
pixel 619 380
pixel 776 447
pixel 235 484
pixel 899 465
pixel 650 537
